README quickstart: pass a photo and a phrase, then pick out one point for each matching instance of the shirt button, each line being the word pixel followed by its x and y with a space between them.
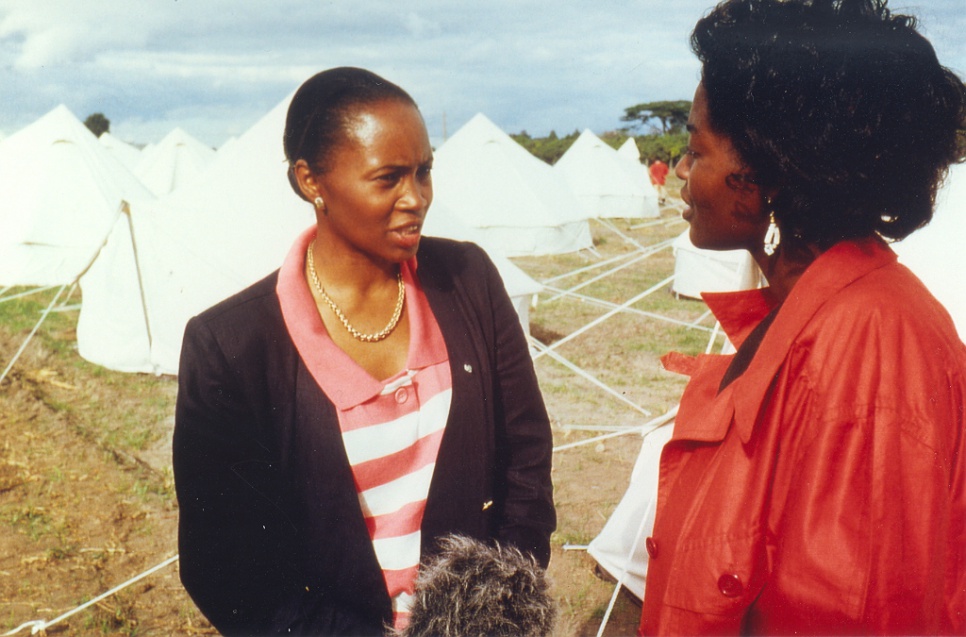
pixel 402 395
pixel 730 585
pixel 651 545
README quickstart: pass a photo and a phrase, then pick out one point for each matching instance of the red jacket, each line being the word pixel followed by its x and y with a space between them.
pixel 821 492
pixel 658 172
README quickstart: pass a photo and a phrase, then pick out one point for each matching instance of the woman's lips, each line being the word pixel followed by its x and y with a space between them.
pixel 408 236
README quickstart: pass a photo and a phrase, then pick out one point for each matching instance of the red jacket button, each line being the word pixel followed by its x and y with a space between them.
pixel 730 585
pixel 651 545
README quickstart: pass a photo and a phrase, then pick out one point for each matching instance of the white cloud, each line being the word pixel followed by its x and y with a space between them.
pixel 221 63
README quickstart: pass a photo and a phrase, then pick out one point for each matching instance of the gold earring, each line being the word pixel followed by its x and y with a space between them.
pixel 319 204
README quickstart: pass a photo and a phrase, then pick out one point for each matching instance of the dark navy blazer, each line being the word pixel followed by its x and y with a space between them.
pixel 272 536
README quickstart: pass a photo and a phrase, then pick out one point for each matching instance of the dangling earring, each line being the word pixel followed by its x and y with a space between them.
pixel 773 235
pixel 320 205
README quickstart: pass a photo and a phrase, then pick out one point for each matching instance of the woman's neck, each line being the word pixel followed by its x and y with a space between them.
pixel 784 268
pixel 342 268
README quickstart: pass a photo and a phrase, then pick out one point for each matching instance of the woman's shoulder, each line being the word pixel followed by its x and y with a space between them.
pixel 257 300
pixel 452 255
pixel 883 316
pixel 449 247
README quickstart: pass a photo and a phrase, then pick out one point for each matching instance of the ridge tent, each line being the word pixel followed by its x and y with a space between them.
pixel 496 186
pixel 228 143
pixel 189 249
pixel 62 192
pixel 632 156
pixel 176 161
pixel 623 534
pixel 629 151
pixel 128 155
pixel 175 257
pixel 441 222
pixel 697 270
pixel 604 182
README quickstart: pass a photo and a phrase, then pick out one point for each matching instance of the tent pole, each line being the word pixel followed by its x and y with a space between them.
pixel 137 266
pixel 27 292
pixel 620 580
pixel 610 226
pixel 592 266
pixel 588 376
pixel 694 325
pixel 597 321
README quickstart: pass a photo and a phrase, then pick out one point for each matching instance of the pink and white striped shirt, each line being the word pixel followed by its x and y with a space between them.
pixel 391 428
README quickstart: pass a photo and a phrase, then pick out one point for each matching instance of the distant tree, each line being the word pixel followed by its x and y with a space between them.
pixel 549 148
pixel 672 115
pixel 614 138
pixel 98 124
pixel 667 148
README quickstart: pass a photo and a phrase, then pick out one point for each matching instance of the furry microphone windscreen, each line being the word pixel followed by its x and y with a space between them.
pixel 471 589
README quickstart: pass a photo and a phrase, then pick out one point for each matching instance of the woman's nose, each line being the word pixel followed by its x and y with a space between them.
pixel 418 194
pixel 683 169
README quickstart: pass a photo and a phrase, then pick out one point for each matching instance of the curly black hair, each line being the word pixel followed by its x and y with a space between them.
pixel 319 111
pixel 839 106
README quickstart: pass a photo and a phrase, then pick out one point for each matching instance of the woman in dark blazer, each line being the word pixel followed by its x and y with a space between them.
pixel 273 537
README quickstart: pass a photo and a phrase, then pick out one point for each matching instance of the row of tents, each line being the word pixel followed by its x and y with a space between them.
pixel 156 235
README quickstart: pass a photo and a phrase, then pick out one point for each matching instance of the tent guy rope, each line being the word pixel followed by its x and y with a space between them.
pixel 40 626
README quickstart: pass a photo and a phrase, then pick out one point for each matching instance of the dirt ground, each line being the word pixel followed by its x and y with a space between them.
pixel 86 493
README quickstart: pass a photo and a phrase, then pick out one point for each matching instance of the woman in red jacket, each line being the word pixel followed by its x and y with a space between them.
pixel 815 480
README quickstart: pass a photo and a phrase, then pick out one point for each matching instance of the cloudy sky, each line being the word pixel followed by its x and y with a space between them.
pixel 213 67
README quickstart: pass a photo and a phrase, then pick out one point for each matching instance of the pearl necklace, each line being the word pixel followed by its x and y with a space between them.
pixel 356 334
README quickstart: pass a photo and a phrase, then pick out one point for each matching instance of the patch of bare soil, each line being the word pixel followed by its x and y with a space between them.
pixel 83 506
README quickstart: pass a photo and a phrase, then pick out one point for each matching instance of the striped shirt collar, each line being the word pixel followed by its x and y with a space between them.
pixel 322 356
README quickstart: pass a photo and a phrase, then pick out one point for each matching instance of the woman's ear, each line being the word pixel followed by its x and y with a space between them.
pixel 306 180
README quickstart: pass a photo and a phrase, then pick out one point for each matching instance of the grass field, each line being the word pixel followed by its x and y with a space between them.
pixel 86 494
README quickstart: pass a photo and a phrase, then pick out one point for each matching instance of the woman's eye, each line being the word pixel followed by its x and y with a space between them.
pixel 388 178
pixel 424 172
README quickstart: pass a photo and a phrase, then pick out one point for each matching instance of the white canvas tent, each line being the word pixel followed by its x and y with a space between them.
pixel 192 248
pixel 629 151
pixel 176 161
pixel 495 185
pixel 603 180
pixel 631 155
pixel 128 155
pixel 619 547
pixel 62 192
pixel 935 253
pixel 442 222
pixel 228 143
pixel 697 270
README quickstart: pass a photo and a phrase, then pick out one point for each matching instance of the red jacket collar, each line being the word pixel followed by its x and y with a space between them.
pixel 740 312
